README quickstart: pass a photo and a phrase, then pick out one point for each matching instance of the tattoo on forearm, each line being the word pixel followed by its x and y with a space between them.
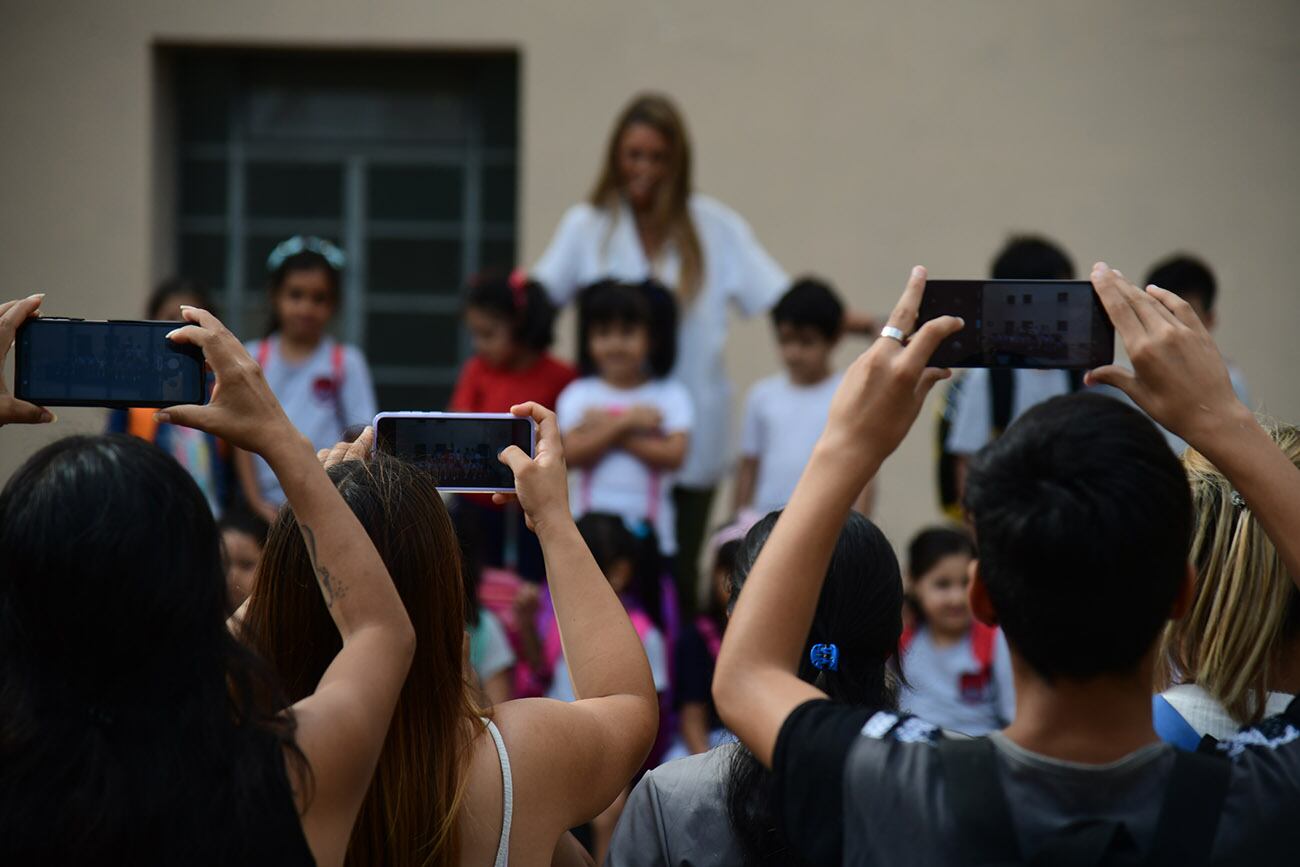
pixel 330 586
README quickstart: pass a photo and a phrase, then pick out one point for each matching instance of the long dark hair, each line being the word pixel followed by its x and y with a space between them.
pixel 859 611
pixel 410 811
pixel 518 300
pixel 130 719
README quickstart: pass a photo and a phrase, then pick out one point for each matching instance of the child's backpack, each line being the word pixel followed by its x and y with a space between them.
pixel 985 834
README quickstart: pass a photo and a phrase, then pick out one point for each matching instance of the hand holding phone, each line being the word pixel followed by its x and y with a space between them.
pixel 243 410
pixel 460 450
pixel 541 480
pixel 12 410
pixel 1057 324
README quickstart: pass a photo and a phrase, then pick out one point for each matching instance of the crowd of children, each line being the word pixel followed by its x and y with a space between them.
pixel 243 636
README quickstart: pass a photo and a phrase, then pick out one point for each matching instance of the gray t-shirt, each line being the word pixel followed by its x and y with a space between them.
pixel 677 816
pixel 949 687
pixel 862 787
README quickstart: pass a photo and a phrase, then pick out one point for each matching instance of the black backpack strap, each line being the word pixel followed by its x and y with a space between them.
pixel 1076 380
pixel 1189 818
pixel 1002 388
pixel 978 804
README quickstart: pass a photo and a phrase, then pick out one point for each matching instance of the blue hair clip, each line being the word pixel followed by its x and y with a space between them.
pixel 825 656
pixel 639 529
pixel 309 244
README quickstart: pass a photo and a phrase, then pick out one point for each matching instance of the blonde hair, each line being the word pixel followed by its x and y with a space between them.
pixel 670 213
pixel 1244 600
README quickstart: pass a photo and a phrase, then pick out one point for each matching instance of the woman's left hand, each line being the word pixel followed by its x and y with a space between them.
pixel 12 410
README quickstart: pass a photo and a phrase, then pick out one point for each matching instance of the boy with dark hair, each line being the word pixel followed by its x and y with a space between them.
pixel 1192 280
pixel 785 413
pixel 1083 522
pixel 982 403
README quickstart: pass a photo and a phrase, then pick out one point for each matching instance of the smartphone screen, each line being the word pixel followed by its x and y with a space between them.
pixel 1020 323
pixel 74 362
pixel 459 449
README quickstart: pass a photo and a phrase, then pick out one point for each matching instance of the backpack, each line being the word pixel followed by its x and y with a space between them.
pixel 986 835
pixel 1002 388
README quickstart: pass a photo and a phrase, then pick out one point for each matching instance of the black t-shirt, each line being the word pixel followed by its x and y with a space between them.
pixel 857 786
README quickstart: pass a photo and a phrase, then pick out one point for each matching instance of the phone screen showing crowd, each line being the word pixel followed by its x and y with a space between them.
pixel 70 362
pixel 461 453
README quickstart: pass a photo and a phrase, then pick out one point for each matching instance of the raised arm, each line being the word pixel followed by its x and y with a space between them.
pixel 341 726
pixel 576 757
pixel 1180 380
pixel 756 685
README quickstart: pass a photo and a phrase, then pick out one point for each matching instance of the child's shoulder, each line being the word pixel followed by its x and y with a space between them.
pixel 777 382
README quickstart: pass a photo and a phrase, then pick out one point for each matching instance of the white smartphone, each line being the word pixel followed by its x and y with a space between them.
pixel 459 448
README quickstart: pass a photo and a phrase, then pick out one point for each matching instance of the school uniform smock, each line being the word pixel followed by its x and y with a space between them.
pixel 325 393
pixel 593 244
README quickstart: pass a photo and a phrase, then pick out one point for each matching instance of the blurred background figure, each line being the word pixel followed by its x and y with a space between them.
pixel 206 458
pixel 957 670
pixel 242 536
pixel 323 385
pixel 644 220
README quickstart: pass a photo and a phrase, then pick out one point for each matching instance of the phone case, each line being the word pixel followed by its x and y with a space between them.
pixel 23 393
pixel 532 440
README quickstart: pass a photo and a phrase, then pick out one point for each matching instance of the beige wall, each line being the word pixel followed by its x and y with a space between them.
pixel 856 138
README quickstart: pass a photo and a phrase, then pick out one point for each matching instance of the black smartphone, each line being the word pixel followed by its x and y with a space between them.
pixel 1020 323
pixel 78 362
pixel 459 448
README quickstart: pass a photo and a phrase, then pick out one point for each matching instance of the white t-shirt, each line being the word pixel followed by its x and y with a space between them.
pixel 620 483
pixel 781 425
pixel 656 652
pixel 490 652
pixel 972 424
pixel 593 244
pixel 314 402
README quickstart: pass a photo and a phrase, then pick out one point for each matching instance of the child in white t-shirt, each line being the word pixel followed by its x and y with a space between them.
pixel 626 426
pixel 785 414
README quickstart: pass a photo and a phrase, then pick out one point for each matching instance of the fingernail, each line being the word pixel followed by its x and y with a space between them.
pixel 37 297
pixel 47 417
pixel 161 416
pixel 172 333
pixel 1100 266
pixel 962 321
pixel 187 306
pixel 916 270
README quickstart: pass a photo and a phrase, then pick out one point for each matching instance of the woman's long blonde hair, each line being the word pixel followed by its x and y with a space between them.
pixel 409 816
pixel 671 213
pixel 1245 604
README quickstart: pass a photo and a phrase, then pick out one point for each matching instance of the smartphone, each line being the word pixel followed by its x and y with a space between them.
pixel 78 362
pixel 1020 323
pixel 459 448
